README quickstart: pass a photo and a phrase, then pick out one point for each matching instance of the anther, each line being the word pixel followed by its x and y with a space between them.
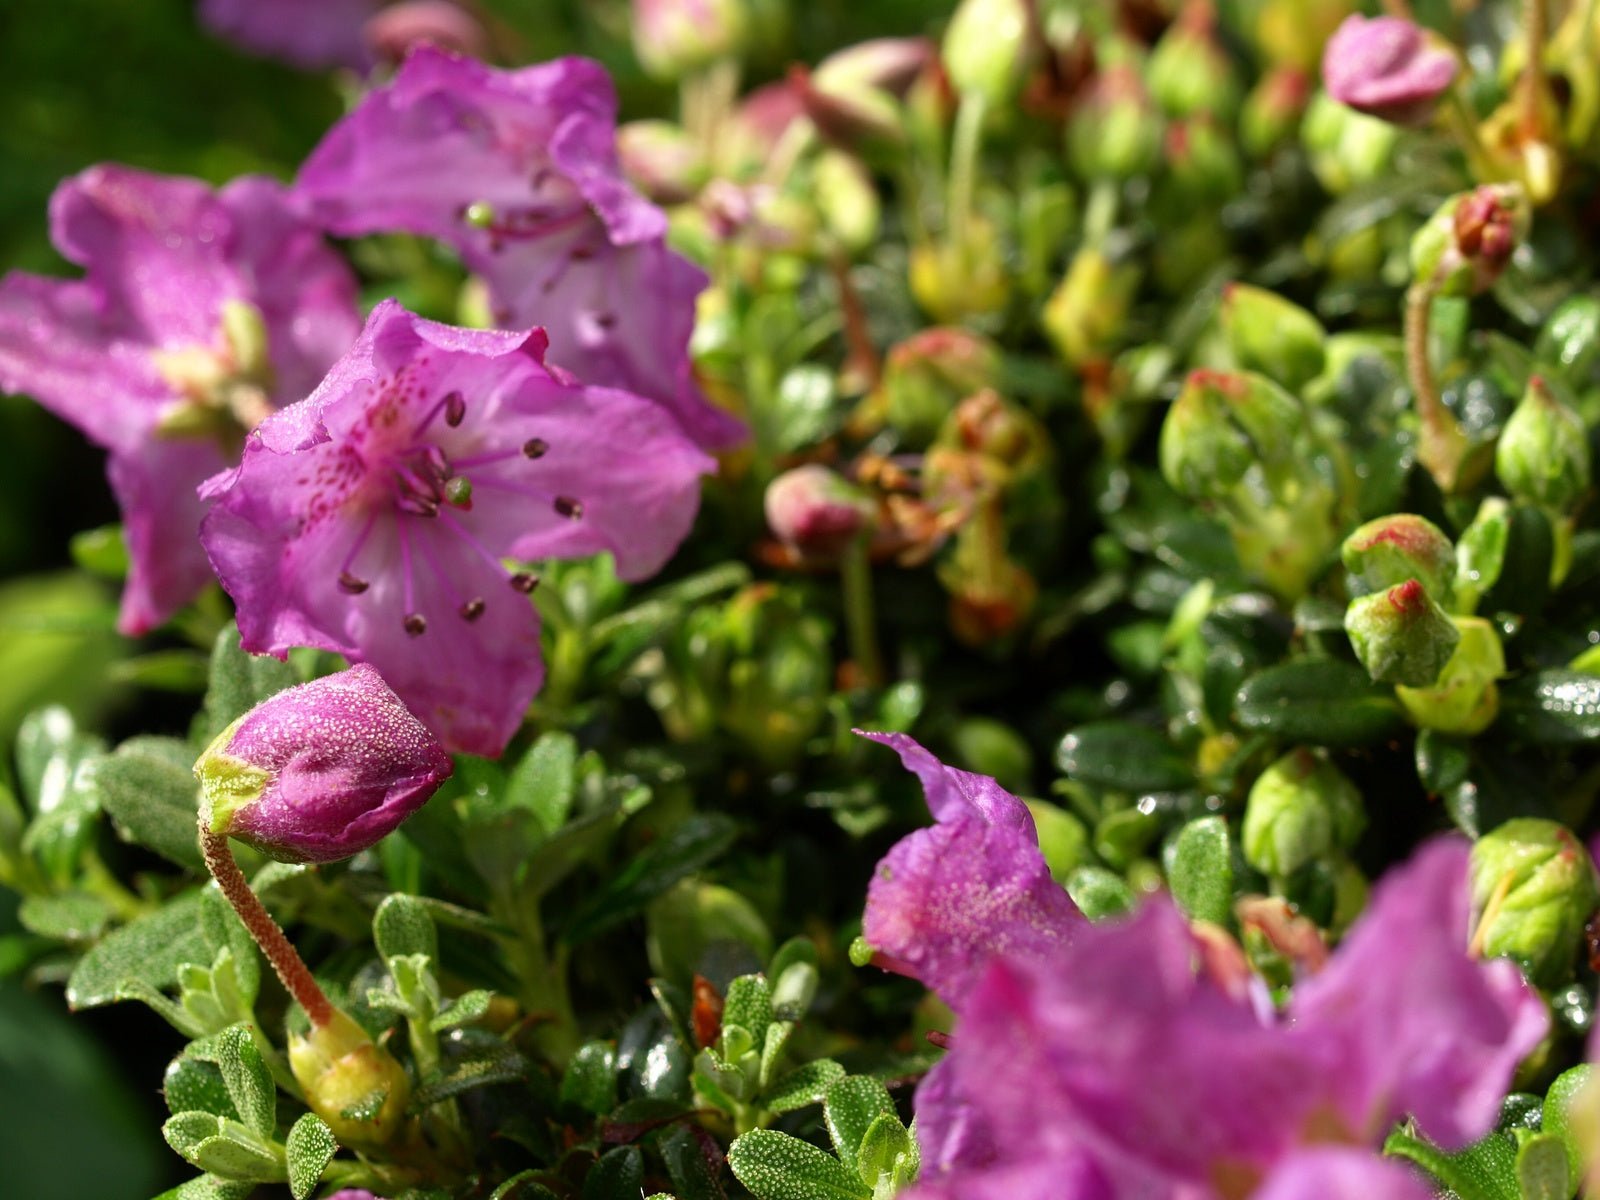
pixel 455 407
pixel 459 492
pixel 472 609
pixel 350 584
pixel 524 582
pixel 567 507
pixel 417 506
pixel 415 624
pixel 535 447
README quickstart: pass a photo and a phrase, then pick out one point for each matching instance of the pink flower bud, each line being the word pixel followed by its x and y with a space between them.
pixel 393 31
pixel 1385 68
pixel 814 510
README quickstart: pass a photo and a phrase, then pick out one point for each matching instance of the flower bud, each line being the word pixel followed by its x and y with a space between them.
pixel 846 199
pixel 1402 546
pixel 853 97
pixel 1466 244
pixel 1085 314
pixel 1384 67
pixel 999 429
pixel 1115 131
pixel 1272 335
pixel 351 1082
pixel 1465 700
pixel 392 32
pixel 986 49
pixel 812 509
pixel 1345 148
pixel 1204 454
pixel 1533 887
pixel 1203 164
pixel 954 280
pixel 1273 110
pixel 1301 809
pixel 661 160
pixel 1543 455
pixel 673 38
pixel 1401 635
pixel 1189 73
pixel 321 771
pixel 926 375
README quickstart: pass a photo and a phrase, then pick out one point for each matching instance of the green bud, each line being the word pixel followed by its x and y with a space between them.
pixel 350 1081
pixel 1085 315
pixel 1543 455
pixel 1465 699
pixel 847 200
pixel 660 159
pixel 1301 809
pixel 1273 110
pixel 1401 546
pixel 1346 148
pixel 1115 132
pixel 987 48
pixel 1203 164
pixel 1221 424
pixel 1533 887
pixel 1189 72
pixel 1465 246
pixel 1272 335
pixel 1570 338
pixel 954 280
pixel 1401 635
pixel 928 374
pixel 674 38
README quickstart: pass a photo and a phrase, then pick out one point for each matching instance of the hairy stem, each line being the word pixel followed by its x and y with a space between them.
pixel 1442 444
pixel 860 621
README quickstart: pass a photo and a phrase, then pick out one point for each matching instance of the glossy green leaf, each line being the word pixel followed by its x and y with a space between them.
pixel 775 1166
pixel 885 1146
pixel 619 1175
pixel 1486 1170
pixel 1552 708
pixel 544 781
pixel 1557 1114
pixel 693 1163
pixel 1319 701
pixel 1543 1172
pixel 590 1081
pixel 1201 875
pixel 1122 756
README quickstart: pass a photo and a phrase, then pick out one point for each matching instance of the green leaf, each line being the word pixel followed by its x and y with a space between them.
pixel 1524 582
pixel 240 681
pixel 885 1145
pixel 775 1166
pixel 748 1005
pixel 1486 1170
pixel 802 1086
pixel 186 1130
pixel 1122 756
pixel 682 850
pixel 1552 708
pixel 223 930
pixel 191 1085
pixel 497 1063
pixel 1201 875
pixel 403 926
pixel 693 1164
pixel 309 1150
pixel 1099 893
pixel 523 1185
pixel 590 1081
pixel 209 1187
pixel 149 789
pixel 67 917
pixel 233 1156
pixel 1320 701
pixel 794 990
pixel 148 950
pixel 850 1107
pixel 52 762
pixel 1557 1116
pixel 163 671
pixel 248 1081
pixel 463 1010
pixel 619 1175
pixel 1543 1172
pixel 544 781
pixel 772 1047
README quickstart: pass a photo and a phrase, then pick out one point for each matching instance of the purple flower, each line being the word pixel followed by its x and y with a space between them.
pixel 518 171
pixel 200 312
pixel 945 901
pixel 1385 68
pixel 321 771
pixel 372 519
pixel 1125 1050
pixel 308 33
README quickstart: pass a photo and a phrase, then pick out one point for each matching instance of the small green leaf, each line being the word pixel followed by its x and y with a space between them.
pixel 147 950
pixel 685 848
pixel 149 790
pixel 1486 1170
pixel 186 1130
pixel 544 781
pixel 802 1086
pixel 191 1085
pixel 1319 701
pixel 1099 893
pixel 794 990
pixel 590 1082
pixel 1552 708
pixel 1201 875
pixel 309 1150
pixel 885 1144
pixel 240 681
pixel 693 1163
pixel 523 1185
pixel 248 1081
pixel 1557 1116
pixel 849 1108
pixel 209 1187
pixel 463 1010
pixel 223 930
pixel 772 1048
pixel 775 1166
pixel 1124 757
pixel 1542 1169
pixel 52 769
pixel 233 1156
pixel 748 1005
pixel 403 926
pixel 619 1175
pixel 496 1063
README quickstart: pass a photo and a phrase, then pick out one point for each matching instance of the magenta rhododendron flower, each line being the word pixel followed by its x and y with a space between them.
pixel 1384 67
pixel 946 900
pixel 518 171
pixel 321 771
pixel 1124 1049
pixel 373 518
pixel 200 312
pixel 307 33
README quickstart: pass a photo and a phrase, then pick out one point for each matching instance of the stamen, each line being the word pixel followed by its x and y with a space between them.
pixel 455 408
pixel 535 447
pixel 417 506
pixel 408 596
pixel 484 460
pixel 524 582
pixel 348 579
pixel 472 609
pixel 350 585
pixel 459 492
pixel 568 507
pixel 415 624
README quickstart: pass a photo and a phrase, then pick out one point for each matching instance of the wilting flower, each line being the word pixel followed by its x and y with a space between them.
pixel 321 771
pixel 372 519
pixel 1385 68
pixel 946 900
pixel 1132 1066
pixel 518 171
pixel 307 33
pixel 200 312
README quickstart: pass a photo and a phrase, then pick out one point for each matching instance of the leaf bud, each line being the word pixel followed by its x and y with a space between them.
pixel 1115 131
pixel 1301 809
pixel 320 772
pixel 1543 455
pixel 1345 148
pixel 1401 635
pixel 1533 887
pixel 1273 109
